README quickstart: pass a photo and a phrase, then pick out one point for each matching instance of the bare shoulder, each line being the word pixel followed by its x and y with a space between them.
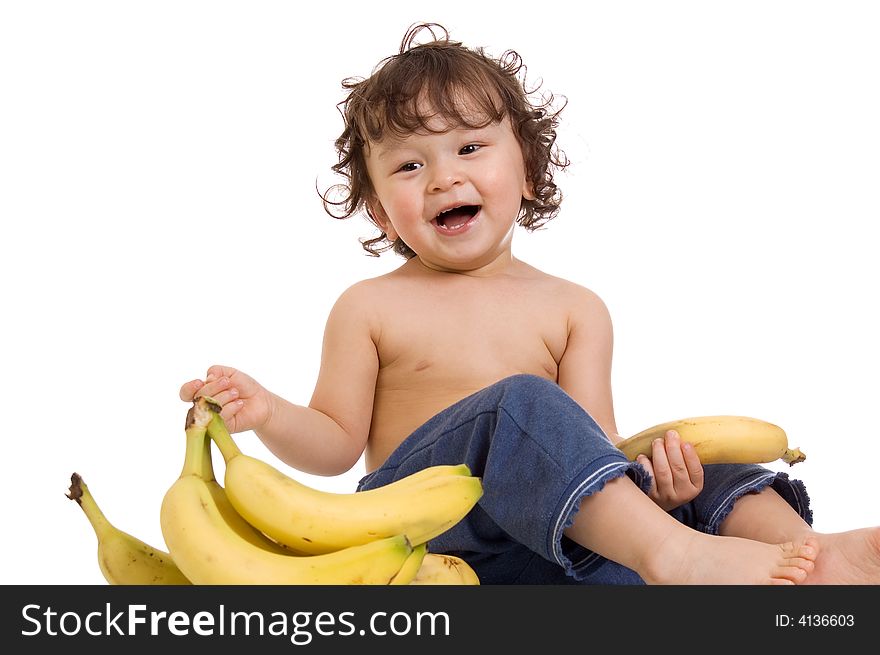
pixel 580 303
pixel 370 290
pixel 364 295
pixel 360 294
pixel 586 305
pixel 359 306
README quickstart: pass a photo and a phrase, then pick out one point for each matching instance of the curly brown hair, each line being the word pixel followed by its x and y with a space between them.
pixel 437 75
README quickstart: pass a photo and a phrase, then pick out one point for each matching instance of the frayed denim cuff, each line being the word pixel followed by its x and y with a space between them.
pixel 574 558
pixel 794 492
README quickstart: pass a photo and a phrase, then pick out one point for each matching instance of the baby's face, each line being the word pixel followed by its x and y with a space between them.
pixel 452 196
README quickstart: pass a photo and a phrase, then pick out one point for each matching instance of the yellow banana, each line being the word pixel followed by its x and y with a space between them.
pixel 235 521
pixel 309 520
pixel 123 558
pixel 411 566
pixel 721 440
pixel 209 551
pixel 440 569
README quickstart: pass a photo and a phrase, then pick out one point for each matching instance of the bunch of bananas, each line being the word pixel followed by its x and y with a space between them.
pixel 264 527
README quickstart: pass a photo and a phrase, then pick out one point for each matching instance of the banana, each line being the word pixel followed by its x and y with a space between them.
pixel 123 558
pixel 310 520
pixel 440 569
pixel 235 521
pixel 208 551
pixel 411 566
pixel 721 440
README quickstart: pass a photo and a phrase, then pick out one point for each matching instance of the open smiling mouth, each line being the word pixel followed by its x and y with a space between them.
pixel 456 218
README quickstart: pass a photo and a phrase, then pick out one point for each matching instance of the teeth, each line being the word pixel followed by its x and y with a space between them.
pixel 452 228
pixel 444 220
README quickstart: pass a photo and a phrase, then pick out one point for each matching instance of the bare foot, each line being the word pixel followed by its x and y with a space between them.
pixel 847 558
pixel 695 558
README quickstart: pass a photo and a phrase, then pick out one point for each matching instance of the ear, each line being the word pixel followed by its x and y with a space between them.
pixel 528 191
pixel 380 218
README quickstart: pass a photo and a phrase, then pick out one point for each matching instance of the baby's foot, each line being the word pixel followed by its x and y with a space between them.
pixel 699 558
pixel 847 558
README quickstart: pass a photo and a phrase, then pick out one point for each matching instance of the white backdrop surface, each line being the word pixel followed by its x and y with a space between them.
pixel 158 166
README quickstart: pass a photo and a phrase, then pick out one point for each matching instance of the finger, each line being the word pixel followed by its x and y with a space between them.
pixel 694 466
pixel 661 465
pixel 229 411
pixel 218 371
pixel 676 457
pixel 214 388
pixel 226 397
pixel 188 391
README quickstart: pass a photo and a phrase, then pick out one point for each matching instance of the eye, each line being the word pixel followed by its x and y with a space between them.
pixel 469 149
pixel 409 166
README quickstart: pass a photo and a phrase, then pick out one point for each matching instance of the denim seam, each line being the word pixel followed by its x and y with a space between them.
pixel 473 418
pixel 579 492
pixel 583 563
pixel 529 434
pixel 525 567
pixel 537 443
pixel 738 492
pixel 799 491
pixel 797 497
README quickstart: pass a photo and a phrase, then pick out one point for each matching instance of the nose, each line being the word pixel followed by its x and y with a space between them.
pixel 446 174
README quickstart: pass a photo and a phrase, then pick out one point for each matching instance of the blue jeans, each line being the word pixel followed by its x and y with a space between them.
pixel 538 454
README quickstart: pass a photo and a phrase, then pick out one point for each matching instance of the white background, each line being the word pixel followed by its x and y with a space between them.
pixel 158 171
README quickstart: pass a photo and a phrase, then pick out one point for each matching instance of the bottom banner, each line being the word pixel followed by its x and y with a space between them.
pixel 431 618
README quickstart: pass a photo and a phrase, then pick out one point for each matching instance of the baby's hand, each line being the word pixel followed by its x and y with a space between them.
pixel 676 471
pixel 245 403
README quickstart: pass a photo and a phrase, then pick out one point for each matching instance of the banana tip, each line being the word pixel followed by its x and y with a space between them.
pixel 201 412
pixel 793 456
pixel 209 403
pixel 75 491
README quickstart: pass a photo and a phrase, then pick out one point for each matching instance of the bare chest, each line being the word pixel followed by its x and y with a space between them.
pixel 450 341
pixel 438 345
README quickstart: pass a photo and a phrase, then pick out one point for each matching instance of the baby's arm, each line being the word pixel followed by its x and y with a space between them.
pixel 585 374
pixel 328 436
pixel 584 370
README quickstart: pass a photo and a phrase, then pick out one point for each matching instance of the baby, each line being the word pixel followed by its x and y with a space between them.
pixel 467 354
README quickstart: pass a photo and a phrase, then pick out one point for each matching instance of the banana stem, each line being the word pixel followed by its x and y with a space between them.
pixel 219 433
pixel 198 448
pixel 79 492
pixel 207 465
pixel 194 461
pixel 792 456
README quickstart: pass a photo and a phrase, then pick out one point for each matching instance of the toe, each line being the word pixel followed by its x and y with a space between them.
pixel 793 574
